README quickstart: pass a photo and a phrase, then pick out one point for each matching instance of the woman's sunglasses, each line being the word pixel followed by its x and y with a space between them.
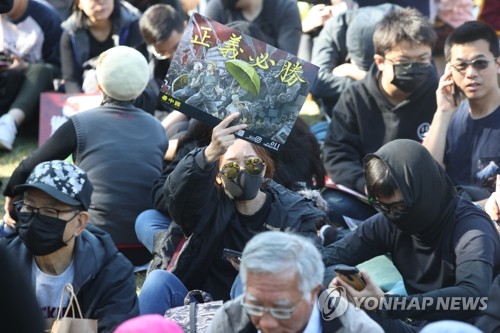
pixel 253 166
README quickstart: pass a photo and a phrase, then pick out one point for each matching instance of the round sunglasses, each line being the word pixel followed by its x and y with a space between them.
pixel 252 166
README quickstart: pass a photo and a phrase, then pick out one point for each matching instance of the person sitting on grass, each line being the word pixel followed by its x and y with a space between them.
pixel 120 146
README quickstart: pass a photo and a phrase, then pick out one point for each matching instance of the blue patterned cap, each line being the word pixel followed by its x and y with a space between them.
pixel 63 181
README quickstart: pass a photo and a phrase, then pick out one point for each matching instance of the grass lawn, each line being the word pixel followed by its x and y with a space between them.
pixel 25 143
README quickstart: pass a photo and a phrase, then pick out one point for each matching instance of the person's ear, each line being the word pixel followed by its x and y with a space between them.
pixel 315 292
pixel 497 61
pixel 379 62
pixel 81 222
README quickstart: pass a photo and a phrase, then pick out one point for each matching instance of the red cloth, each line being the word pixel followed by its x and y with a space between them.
pixel 489 13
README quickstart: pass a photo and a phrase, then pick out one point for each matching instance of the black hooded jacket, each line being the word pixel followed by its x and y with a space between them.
pixel 443 247
pixel 363 120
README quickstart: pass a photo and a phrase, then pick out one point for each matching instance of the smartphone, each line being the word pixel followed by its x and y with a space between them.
pixel 457 97
pixel 229 255
pixel 351 276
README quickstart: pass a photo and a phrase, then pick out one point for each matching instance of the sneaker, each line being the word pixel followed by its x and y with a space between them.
pixel 8 131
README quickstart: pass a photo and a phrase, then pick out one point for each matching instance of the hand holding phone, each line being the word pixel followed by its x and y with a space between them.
pixel 448 94
pixel 351 276
pixel 455 92
pixel 234 257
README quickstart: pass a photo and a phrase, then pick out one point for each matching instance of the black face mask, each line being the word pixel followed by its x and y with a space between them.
pixel 394 217
pixel 244 187
pixel 41 235
pixel 409 77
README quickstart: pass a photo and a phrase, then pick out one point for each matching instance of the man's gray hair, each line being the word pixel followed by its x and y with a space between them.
pixel 276 252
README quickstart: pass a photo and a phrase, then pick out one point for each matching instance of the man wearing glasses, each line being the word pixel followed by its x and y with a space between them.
pixel 395 100
pixel 282 276
pixel 56 246
pixel 464 134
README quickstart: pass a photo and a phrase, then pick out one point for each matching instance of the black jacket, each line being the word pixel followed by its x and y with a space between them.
pixel 204 212
pixel 344 38
pixel 19 308
pixel 363 120
pixel 104 279
pixel 490 321
pixel 443 246
pixel 5 6
pixel 279 21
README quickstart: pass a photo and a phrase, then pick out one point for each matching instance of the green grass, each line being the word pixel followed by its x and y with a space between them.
pixel 25 143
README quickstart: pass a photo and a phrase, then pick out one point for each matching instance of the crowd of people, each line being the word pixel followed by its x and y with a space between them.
pixel 410 96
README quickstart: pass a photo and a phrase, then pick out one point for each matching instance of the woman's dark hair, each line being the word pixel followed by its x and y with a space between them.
pixel 379 181
pixel 197 133
pixel 264 155
pixel 298 162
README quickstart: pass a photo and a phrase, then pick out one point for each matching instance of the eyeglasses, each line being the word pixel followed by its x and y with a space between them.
pixel 478 64
pixel 395 207
pixel 253 166
pixel 409 64
pixel 278 313
pixel 22 207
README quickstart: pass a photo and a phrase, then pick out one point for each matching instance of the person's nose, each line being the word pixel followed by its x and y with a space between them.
pixel 471 71
pixel 268 323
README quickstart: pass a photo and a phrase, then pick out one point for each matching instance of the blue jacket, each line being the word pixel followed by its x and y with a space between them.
pixel 104 279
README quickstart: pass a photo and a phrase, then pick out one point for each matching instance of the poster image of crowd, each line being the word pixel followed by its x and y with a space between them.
pixel 217 71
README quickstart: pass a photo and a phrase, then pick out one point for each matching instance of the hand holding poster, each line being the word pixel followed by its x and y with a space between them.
pixel 217 71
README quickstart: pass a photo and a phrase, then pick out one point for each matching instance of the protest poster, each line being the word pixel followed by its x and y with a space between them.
pixel 217 71
pixel 56 108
